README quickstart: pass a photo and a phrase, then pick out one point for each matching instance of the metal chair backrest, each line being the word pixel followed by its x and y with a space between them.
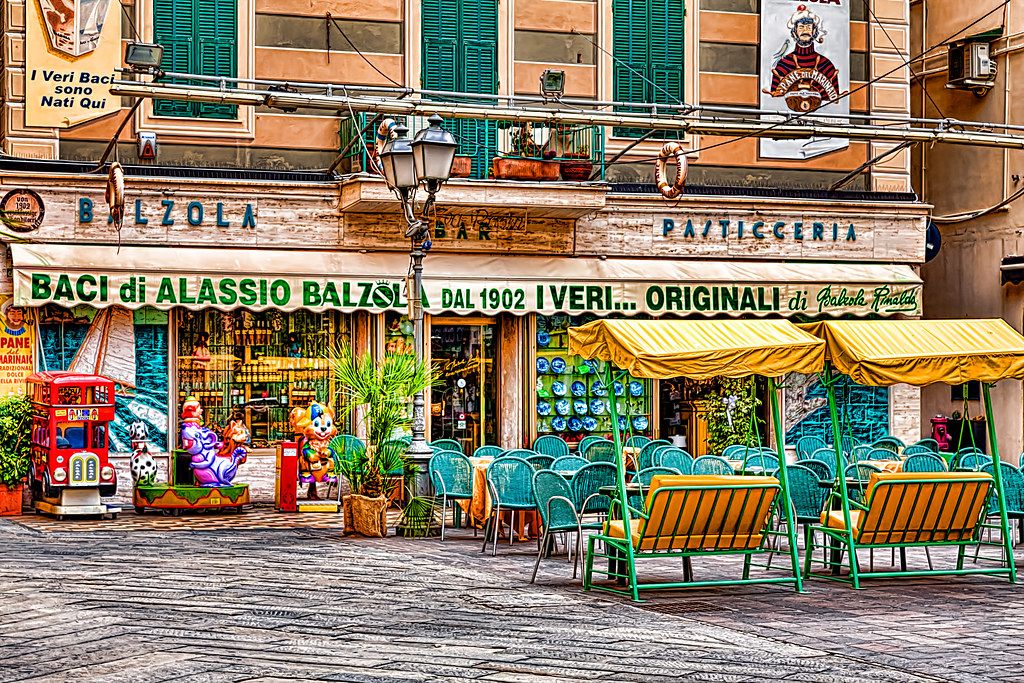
pixel 806 445
pixel 645 458
pixel 540 462
pixel 860 472
pixel 675 458
pixel 488 451
pixel 643 478
pixel 569 463
pixel 766 461
pixel 586 441
pixel 821 469
pixel 523 453
pixel 859 452
pixel 552 445
pixel 738 450
pixel 1013 487
pixel 924 462
pixel 637 441
pixel 510 480
pixel 916 449
pixel 451 473
pixel 930 444
pixel 600 451
pixel 828 456
pixel 554 500
pixel 806 491
pixel 880 454
pixel 711 464
pixel 890 443
pixel 972 461
pixel 586 484
pixel 446 445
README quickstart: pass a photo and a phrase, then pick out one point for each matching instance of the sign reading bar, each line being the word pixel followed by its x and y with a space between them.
pixel 518 297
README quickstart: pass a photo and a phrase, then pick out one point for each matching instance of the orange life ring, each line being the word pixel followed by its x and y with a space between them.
pixel 675 151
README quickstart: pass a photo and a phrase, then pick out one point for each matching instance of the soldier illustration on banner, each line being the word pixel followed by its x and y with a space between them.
pixel 805 65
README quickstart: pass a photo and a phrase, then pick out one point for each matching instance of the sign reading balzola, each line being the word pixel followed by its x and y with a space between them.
pixel 471 295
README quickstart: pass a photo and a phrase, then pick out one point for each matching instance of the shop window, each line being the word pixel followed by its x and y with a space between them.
pixel 863 410
pixel 258 366
pixel 198 37
pixel 572 399
pixel 647 45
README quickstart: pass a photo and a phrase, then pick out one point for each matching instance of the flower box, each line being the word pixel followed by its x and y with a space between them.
pixel 513 168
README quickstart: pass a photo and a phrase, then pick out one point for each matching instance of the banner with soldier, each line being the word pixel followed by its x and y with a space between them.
pixel 805 68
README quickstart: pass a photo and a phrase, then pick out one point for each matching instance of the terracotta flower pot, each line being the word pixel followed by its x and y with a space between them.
pixel 462 167
pixel 10 500
pixel 369 515
pixel 577 170
pixel 509 168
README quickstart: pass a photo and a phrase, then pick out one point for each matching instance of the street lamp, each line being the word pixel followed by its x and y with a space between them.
pixel 427 160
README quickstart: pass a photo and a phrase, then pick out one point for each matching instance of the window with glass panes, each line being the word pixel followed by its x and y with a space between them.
pixel 198 37
pixel 647 47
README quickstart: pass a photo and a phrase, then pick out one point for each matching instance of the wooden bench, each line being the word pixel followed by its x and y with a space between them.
pixel 909 509
pixel 690 515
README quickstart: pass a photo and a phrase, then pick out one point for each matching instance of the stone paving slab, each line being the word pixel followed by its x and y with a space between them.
pixel 256 602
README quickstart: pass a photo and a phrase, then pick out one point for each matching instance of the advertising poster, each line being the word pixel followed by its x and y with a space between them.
pixel 72 48
pixel 805 67
pixel 17 342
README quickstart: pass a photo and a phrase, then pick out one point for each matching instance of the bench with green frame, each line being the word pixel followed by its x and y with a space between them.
pixel 905 510
pixel 688 516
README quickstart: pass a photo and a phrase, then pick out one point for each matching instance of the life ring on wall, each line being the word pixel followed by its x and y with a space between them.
pixel 673 151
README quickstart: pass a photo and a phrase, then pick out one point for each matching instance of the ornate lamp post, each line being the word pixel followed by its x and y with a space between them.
pixel 426 160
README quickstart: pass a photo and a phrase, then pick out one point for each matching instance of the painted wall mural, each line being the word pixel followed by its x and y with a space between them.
pixel 129 347
pixel 863 411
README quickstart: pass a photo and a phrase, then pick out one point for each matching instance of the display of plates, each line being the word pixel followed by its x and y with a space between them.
pixel 622 423
pixel 619 388
pixel 578 388
pixel 598 389
pixel 559 321
pixel 542 322
pixel 592 364
pixel 558 388
pixel 558 365
pixel 543 366
pixel 636 388
pixel 562 406
pixel 558 424
pixel 598 407
pixel 543 338
pixel 543 408
pixel 640 423
pixel 589 423
pixel 579 406
pixel 575 424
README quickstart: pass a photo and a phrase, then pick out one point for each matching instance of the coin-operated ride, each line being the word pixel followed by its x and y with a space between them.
pixel 71 470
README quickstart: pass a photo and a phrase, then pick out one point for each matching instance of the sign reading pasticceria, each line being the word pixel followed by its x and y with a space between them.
pixel 468 295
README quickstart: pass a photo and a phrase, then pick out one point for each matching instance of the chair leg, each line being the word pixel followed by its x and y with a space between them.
pixel 444 513
pixel 929 556
pixel 579 548
pixel 540 552
pixel 497 523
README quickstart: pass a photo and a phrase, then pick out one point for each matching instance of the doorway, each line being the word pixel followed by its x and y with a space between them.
pixel 463 404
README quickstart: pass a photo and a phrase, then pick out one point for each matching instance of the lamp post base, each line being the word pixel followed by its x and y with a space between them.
pixel 419 454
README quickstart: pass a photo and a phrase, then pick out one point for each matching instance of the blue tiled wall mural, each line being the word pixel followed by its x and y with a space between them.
pixel 863 411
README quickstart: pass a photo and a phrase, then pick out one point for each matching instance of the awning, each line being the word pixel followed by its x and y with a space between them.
pixel 920 352
pixel 196 278
pixel 699 349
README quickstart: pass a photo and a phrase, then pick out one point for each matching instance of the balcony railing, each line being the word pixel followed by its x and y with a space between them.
pixel 570 147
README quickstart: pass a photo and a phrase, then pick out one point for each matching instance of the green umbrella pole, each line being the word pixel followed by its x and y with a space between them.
pixel 780 445
pixel 830 383
pixel 620 467
pixel 997 475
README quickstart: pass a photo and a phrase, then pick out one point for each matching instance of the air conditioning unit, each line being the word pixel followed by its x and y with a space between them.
pixel 971 67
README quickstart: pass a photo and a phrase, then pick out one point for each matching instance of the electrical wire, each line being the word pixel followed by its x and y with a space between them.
pixel 971 215
pixel 359 52
pixel 620 62
pixel 131 23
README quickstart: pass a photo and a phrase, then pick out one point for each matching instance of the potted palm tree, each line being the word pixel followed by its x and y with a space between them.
pixel 15 451
pixel 378 393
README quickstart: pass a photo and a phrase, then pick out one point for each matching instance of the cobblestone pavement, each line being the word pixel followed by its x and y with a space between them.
pixel 249 602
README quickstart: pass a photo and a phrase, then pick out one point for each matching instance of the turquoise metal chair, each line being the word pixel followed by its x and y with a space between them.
pixel 890 443
pixel 510 481
pixel 711 464
pixel 569 463
pixel 828 456
pixel 637 441
pixel 880 454
pixel 451 474
pixel 541 462
pixel 558 515
pixel 924 462
pixel 916 449
pixel 737 451
pixel 972 461
pixel 1013 487
pixel 586 441
pixel 808 444
pixel 603 451
pixel 675 458
pixel 857 476
pixel 808 497
pixel 586 484
pixel 858 452
pixel 523 453
pixel 552 445
pixel 488 451
pixel 643 478
pixel 930 444
pixel 767 462
pixel 645 458
pixel 823 470
pixel 446 445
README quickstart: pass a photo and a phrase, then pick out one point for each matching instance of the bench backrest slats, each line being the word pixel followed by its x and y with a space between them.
pixel 923 507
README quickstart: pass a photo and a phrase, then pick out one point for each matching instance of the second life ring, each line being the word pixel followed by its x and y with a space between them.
pixel 675 151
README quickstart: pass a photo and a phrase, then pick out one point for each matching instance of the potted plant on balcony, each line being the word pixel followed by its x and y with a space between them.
pixel 462 167
pixel 577 165
pixel 15 451
pixel 525 159
pixel 377 392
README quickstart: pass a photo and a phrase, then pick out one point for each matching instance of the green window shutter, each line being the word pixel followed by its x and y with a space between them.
pixel 172 28
pixel 439 26
pixel 216 33
pixel 666 38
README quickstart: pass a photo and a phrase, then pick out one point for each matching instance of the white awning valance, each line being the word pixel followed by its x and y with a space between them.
pixel 257 279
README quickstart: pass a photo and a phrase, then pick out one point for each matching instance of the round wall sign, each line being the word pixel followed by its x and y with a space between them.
pixel 24 210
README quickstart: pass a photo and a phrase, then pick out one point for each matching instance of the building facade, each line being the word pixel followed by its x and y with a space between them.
pixel 242 261
pixel 976 272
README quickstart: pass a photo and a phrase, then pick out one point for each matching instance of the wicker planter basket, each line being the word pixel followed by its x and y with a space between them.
pixel 369 515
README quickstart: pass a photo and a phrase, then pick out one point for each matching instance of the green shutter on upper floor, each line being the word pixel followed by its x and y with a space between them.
pixel 200 37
